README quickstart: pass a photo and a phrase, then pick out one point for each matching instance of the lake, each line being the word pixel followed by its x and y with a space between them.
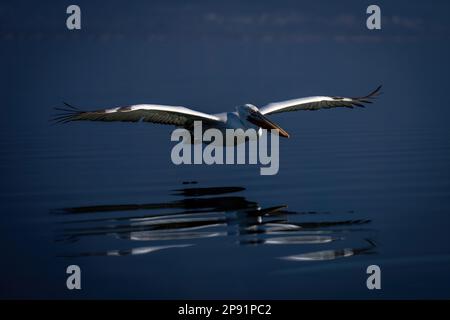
pixel 355 187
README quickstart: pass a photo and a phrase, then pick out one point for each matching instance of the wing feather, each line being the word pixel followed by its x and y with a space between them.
pixel 173 115
pixel 318 102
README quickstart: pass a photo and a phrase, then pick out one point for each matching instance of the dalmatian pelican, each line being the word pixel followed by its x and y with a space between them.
pixel 245 117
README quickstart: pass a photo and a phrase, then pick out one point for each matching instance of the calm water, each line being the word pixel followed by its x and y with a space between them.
pixel 355 187
pixel 139 227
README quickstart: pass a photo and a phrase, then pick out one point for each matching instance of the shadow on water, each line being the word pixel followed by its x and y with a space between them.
pixel 209 213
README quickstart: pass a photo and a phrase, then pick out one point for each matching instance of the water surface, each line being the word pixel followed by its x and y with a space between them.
pixel 355 187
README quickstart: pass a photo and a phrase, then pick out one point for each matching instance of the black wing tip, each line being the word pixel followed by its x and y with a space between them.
pixel 360 101
pixel 67 113
pixel 375 92
pixel 371 96
pixel 70 106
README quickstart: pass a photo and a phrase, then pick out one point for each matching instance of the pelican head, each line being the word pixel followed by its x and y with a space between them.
pixel 251 113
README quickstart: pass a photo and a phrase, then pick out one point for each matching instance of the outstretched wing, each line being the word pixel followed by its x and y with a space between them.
pixel 319 102
pixel 179 116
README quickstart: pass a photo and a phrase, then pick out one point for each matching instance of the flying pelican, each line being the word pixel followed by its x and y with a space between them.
pixel 245 117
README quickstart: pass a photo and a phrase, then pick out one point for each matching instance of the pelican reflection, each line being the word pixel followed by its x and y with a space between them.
pixel 202 213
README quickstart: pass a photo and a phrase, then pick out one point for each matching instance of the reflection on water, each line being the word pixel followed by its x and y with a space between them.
pixel 126 252
pixel 333 254
pixel 209 213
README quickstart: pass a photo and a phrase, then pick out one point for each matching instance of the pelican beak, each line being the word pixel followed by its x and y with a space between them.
pixel 258 119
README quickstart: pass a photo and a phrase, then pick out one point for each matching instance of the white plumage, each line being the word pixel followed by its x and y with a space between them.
pixel 245 117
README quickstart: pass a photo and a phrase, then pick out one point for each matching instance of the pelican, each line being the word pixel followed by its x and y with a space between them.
pixel 245 117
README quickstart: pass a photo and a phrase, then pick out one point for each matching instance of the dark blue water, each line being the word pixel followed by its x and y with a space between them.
pixel 355 187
